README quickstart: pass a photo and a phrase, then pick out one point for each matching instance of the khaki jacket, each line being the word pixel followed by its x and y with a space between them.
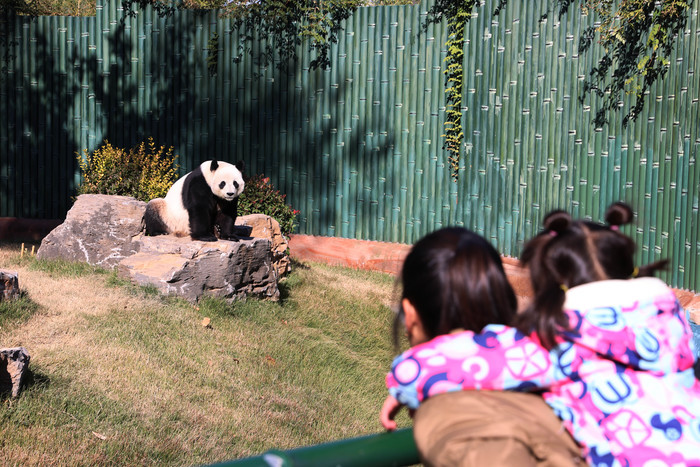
pixel 492 428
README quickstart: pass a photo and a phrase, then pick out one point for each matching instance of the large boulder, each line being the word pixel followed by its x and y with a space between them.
pixel 191 269
pixel 99 230
pixel 107 231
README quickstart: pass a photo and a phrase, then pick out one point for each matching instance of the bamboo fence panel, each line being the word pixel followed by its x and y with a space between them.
pixel 357 148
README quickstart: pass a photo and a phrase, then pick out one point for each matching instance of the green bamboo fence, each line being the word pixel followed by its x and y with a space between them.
pixel 357 148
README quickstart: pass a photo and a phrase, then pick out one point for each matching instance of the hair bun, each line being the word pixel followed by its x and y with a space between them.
pixel 619 214
pixel 557 221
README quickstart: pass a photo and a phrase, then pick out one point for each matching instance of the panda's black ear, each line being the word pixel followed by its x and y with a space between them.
pixel 214 165
pixel 240 165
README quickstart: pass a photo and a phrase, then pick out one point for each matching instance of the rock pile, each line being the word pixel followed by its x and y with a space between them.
pixel 107 231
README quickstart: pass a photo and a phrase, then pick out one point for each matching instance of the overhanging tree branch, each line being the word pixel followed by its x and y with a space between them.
pixel 638 37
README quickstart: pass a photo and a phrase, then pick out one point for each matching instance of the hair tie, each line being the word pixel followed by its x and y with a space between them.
pixel 563 287
pixel 616 228
pixel 635 271
pixel 552 233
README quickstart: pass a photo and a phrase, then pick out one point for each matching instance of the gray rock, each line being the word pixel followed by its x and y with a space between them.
pixel 14 366
pixel 107 231
pixel 9 285
pixel 191 269
pixel 99 230
pixel 263 226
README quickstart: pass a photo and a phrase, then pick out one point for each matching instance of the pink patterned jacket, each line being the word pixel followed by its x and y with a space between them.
pixel 621 379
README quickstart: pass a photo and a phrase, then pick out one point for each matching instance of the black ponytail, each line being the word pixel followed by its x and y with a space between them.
pixel 570 253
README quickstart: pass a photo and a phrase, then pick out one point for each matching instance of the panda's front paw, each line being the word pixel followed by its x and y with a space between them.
pixel 206 238
pixel 231 237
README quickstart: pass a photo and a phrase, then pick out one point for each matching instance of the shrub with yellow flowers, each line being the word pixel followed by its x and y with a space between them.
pixel 145 171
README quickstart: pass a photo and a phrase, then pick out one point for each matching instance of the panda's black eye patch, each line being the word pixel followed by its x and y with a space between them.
pixel 222 185
pixel 235 184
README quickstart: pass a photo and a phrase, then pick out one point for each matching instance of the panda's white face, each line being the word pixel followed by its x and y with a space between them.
pixel 226 181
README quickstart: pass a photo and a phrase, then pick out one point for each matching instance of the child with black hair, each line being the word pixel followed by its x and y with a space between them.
pixel 610 351
pixel 453 279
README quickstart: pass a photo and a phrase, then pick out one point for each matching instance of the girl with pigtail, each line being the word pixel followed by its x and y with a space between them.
pixel 606 345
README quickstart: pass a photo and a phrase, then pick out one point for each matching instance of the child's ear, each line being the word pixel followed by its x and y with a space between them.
pixel 414 326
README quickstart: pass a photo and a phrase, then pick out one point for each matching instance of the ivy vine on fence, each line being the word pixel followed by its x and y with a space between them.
pixel 458 15
pixel 638 37
pixel 454 77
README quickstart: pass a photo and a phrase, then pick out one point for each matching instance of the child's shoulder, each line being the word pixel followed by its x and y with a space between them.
pixel 463 339
pixel 615 292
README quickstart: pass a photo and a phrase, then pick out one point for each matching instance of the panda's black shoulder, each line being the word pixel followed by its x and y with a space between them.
pixel 195 189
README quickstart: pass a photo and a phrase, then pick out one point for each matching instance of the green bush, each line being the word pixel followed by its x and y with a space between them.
pixel 260 197
pixel 144 171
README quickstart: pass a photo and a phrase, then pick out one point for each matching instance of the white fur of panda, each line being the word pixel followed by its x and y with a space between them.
pixel 198 202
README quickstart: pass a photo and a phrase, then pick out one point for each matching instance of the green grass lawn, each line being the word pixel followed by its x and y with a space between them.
pixel 123 376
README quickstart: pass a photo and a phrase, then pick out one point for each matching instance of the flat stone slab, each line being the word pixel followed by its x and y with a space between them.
pixel 191 269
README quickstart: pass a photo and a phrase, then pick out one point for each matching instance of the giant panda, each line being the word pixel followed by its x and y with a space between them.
pixel 199 202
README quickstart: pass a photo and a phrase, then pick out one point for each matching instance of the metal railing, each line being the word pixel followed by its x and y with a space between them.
pixel 381 450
